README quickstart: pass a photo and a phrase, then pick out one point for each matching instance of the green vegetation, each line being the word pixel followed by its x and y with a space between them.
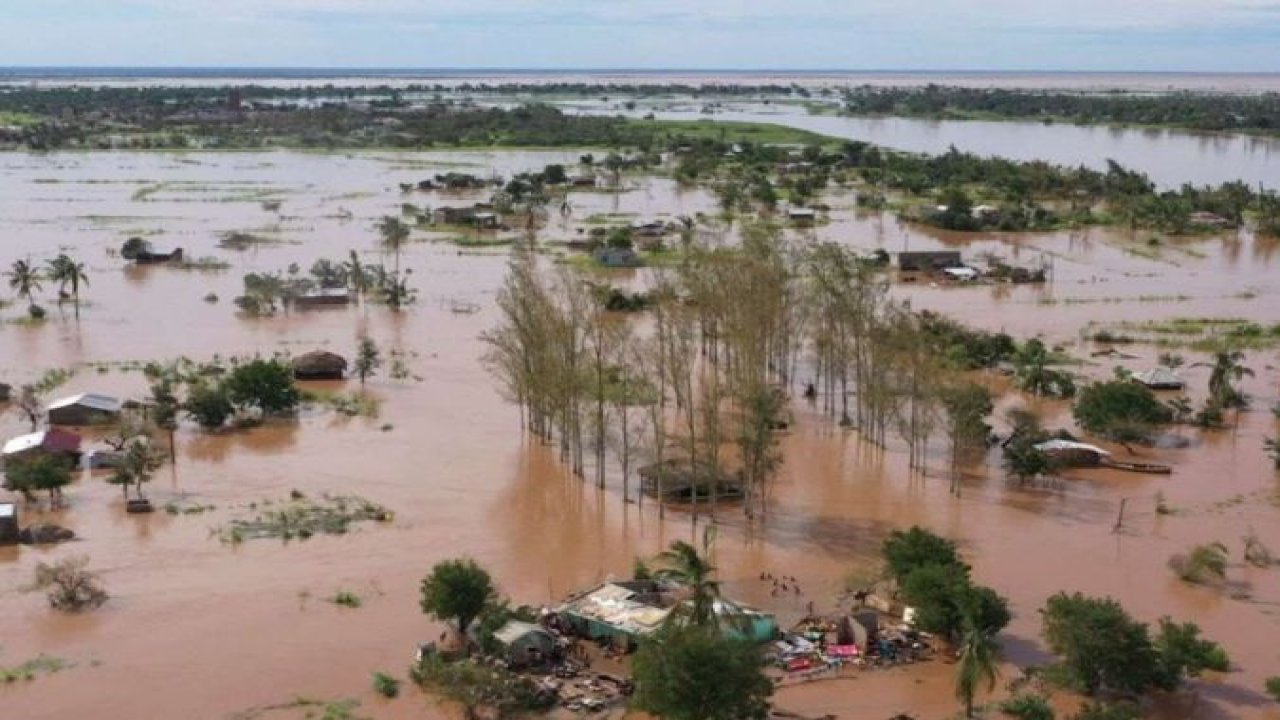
pixel 1273 687
pixel 457 590
pixel 1027 706
pixel 1102 648
pixel 386 685
pixel 301 517
pixel 1225 112
pixel 39 472
pixel 501 693
pixel 347 599
pixel 32 669
pixel 1203 334
pixel 1203 565
pixel 1122 410
pixel 694 672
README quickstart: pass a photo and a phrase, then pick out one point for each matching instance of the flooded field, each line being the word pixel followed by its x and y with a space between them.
pixel 200 628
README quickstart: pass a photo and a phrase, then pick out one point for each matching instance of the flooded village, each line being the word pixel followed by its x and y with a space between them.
pixel 487 429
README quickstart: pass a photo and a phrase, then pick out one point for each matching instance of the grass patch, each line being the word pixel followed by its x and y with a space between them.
pixel 480 241
pixel 32 669
pixel 1203 334
pixel 1203 565
pixel 344 709
pixel 300 518
pixel 347 599
pixel 734 131
pixel 353 404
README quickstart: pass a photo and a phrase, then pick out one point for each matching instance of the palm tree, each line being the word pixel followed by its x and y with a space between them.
pixel 1228 368
pixel 66 271
pixel 24 280
pixel 979 663
pixel 394 234
pixel 683 565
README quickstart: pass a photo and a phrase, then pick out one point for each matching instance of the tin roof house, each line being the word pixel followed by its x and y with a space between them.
pixel 84 409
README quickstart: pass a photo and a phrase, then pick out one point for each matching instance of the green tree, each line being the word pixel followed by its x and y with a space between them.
pixel 1023 460
pixel 979 664
pixel 1227 369
pixel 137 465
pixel 967 406
pixel 1101 647
pixel 1183 653
pixel 1273 687
pixel 368 359
pixel 682 564
pixel 394 234
pixel 1272 446
pixel 1033 374
pixel 905 551
pixel 209 404
pixel 457 590
pixel 36 472
pixel 164 410
pixel 264 385
pixel 24 280
pixel 67 272
pixel 1120 410
pixel 694 672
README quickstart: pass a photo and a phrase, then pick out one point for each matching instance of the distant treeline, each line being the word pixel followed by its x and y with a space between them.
pixel 1187 110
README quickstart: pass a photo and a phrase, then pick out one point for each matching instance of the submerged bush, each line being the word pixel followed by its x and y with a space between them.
pixel 1204 565
pixel 70 585
pixel 1030 706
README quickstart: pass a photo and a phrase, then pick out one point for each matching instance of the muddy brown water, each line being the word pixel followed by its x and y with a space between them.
pixel 199 628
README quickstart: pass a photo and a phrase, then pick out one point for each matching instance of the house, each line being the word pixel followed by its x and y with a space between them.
pixel 648 228
pixel 486 220
pixel 5 392
pixel 583 181
pixel 1070 452
pixel 52 441
pixel 323 297
pixel 525 644
pixel 618 612
pixel 1161 378
pixel 743 622
pixel 452 215
pixel 319 365
pixel 616 257
pixel 802 215
pixel 8 524
pixel 1209 220
pixel 84 409
pixel 961 274
pixel 928 260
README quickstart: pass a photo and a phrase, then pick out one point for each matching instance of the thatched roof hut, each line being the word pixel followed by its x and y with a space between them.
pixel 319 365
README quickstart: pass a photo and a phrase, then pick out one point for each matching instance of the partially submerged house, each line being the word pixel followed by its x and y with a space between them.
pixel 802 215
pixel 961 274
pixel 319 365
pixel 1161 378
pixel 84 409
pixel 929 260
pixel 447 215
pixel 486 220
pixel 8 524
pixel 612 257
pixel 617 612
pixel 1072 453
pixel 52 441
pixel 676 480
pixel 323 297
pixel 142 252
pixel 648 228
pixel 623 613
pixel 5 392
pixel 525 644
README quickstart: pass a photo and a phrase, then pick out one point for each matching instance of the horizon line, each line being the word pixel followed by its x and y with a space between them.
pixel 606 69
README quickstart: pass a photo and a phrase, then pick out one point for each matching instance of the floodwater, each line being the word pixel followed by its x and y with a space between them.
pixel 202 629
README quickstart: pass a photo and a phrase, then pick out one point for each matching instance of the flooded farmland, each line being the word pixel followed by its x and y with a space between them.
pixel 194 623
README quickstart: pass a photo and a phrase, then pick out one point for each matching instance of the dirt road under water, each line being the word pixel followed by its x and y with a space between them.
pixel 202 629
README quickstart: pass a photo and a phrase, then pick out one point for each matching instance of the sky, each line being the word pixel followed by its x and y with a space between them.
pixel 1086 35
